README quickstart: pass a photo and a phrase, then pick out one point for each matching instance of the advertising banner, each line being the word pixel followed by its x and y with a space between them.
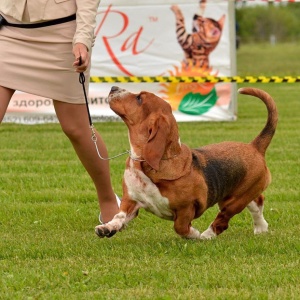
pixel 155 38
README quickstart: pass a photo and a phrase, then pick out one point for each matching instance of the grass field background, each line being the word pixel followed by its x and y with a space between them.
pixel 48 210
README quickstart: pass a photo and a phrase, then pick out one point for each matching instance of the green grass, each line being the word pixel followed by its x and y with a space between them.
pixel 48 249
pixel 264 59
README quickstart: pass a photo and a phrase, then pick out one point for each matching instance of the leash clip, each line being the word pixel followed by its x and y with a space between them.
pixel 94 137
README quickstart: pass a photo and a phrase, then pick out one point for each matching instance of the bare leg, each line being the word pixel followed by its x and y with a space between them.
pixel 5 96
pixel 74 121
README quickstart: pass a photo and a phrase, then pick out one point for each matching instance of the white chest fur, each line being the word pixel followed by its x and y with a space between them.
pixel 142 190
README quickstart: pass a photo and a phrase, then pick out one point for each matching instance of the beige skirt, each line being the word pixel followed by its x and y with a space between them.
pixel 39 61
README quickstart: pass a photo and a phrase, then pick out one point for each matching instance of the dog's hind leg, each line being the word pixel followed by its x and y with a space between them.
pixel 228 209
pixel 256 209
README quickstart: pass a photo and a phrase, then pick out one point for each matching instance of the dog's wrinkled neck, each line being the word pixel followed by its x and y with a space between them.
pixel 175 167
pixel 172 150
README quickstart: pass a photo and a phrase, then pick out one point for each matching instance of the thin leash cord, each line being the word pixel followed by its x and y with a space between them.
pixel 94 137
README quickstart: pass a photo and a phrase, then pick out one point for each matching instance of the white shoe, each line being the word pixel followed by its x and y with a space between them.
pixel 118 202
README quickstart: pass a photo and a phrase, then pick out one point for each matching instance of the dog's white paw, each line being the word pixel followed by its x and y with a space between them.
pixel 111 228
pixel 261 227
pixel 208 234
pixel 193 234
pixel 105 230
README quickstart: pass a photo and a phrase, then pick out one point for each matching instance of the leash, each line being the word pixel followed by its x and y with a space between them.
pixel 94 137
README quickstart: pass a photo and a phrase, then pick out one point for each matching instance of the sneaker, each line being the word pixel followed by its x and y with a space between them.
pixel 118 202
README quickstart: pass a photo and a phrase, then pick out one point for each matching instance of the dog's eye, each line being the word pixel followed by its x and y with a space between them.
pixel 139 99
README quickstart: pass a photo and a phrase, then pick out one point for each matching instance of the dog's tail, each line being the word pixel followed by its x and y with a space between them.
pixel 263 140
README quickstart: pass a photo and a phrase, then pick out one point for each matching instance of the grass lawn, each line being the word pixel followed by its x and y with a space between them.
pixel 48 249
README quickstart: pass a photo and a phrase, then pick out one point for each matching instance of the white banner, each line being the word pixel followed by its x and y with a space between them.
pixel 156 38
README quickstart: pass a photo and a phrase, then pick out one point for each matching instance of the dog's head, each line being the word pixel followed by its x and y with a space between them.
pixel 153 131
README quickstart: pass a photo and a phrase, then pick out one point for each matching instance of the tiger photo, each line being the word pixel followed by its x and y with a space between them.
pixel 205 36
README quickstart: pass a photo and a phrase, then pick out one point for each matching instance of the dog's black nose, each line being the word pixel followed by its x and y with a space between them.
pixel 114 89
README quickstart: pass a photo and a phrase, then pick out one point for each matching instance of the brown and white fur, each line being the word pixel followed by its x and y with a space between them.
pixel 177 183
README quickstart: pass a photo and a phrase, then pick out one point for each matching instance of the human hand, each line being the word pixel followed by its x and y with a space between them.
pixel 82 57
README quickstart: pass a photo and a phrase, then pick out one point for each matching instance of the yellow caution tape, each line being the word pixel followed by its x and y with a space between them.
pixel 199 79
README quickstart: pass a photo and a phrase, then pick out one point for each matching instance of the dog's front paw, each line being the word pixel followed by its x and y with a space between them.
pixel 105 231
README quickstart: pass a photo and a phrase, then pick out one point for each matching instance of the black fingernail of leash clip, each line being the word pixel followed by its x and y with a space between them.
pixel 94 137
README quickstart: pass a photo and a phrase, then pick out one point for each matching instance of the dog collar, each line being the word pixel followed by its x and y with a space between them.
pixel 141 159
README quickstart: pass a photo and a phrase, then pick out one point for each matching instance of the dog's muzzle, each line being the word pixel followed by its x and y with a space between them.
pixel 114 89
pixel 114 92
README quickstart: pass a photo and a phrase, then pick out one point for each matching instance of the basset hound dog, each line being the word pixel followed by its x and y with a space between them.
pixel 174 182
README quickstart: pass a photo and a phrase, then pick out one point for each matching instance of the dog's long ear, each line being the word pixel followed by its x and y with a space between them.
pixel 154 150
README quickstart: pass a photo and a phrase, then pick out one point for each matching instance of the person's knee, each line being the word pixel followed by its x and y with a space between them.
pixel 73 132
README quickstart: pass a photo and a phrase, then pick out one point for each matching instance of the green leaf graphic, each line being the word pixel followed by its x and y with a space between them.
pixel 197 104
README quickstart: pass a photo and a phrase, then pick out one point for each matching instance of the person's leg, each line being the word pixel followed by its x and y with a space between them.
pixel 74 121
pixel 5 96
